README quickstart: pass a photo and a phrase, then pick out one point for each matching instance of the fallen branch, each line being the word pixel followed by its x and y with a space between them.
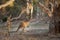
pixel 15 18
pixel 6 4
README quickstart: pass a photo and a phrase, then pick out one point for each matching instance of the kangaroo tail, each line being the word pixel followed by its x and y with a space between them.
pixel 18 28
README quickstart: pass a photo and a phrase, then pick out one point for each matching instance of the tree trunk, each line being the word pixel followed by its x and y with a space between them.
pixel 54 25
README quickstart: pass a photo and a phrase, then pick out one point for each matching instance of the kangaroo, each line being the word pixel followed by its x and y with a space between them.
pixel 30 8
pixel 23 25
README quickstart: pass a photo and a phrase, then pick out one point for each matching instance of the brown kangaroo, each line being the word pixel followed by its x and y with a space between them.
pixel 23 25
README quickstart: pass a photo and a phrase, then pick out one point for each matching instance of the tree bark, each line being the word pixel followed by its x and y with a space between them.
pixel 6 4
pixel 54 25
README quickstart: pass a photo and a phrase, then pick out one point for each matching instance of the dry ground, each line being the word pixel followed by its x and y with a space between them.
pixel 23 36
